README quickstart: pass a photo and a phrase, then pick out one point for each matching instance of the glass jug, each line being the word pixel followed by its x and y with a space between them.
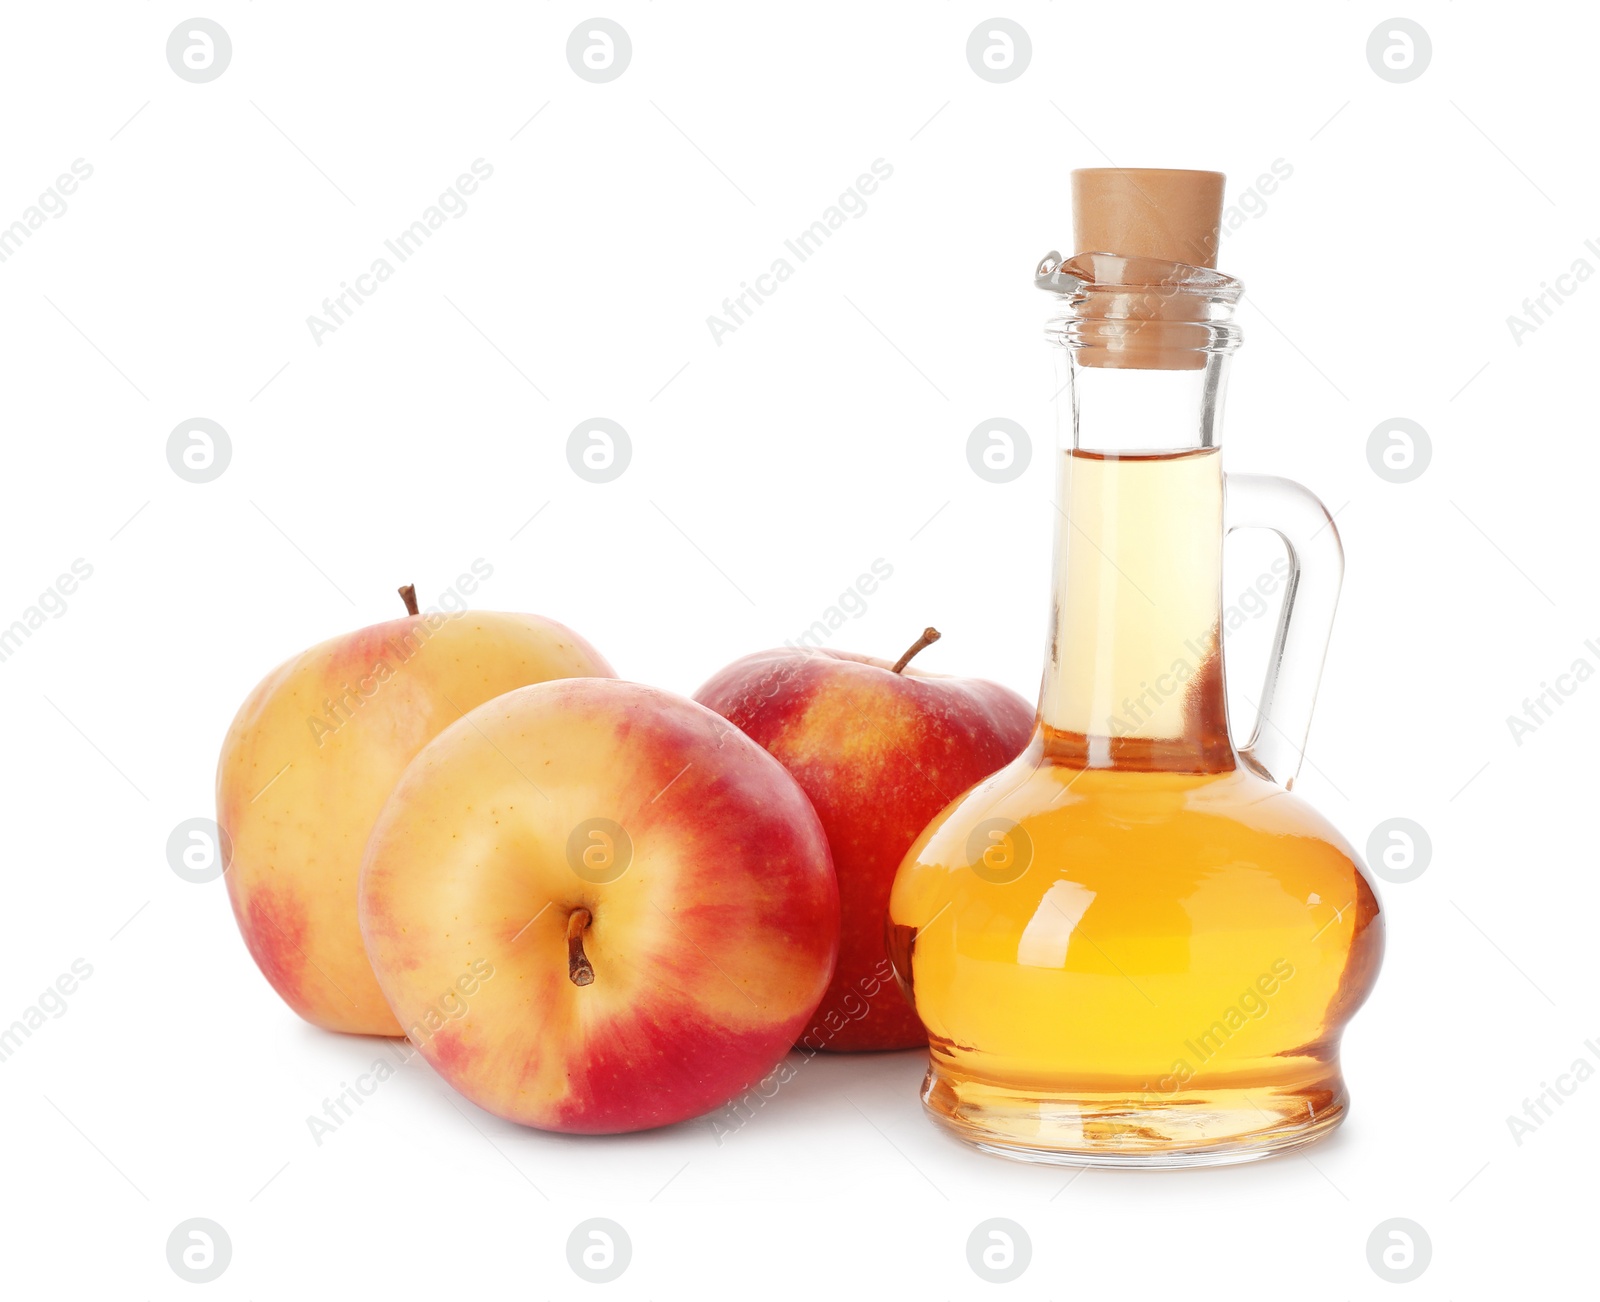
pixel 1134 945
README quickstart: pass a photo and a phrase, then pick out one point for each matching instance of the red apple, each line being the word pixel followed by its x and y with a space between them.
pixel 313 754
pixel 595 907
pixel 880 750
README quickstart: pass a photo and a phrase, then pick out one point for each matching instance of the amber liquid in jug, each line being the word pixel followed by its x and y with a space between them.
pixel 1134 945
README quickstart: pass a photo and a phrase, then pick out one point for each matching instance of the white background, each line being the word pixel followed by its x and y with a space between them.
pixel 767 473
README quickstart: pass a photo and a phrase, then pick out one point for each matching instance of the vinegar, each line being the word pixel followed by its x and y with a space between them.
pixel 1127 946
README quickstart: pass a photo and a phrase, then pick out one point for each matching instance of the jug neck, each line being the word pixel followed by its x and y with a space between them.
pixel 1134 675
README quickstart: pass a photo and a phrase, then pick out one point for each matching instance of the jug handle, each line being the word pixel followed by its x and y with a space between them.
pixel 1276 749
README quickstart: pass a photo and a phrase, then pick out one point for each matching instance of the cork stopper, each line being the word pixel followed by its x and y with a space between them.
pixel 1151 217
pixel 1148 212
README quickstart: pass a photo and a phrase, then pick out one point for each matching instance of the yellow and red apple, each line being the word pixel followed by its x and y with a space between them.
pixel 595 907
pixel 309 761
pixel 879 749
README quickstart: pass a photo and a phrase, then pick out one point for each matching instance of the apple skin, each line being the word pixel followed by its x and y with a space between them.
pixel 879 754
pixel 297 799
pixel 713 928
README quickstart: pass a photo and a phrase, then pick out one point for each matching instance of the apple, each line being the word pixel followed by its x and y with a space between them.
pixel 879 750
pixel 595 907
pixel 312 755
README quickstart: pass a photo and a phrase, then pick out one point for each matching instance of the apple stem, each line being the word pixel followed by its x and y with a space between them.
pixel 408 594
pixel 928 638
pixel 578 966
